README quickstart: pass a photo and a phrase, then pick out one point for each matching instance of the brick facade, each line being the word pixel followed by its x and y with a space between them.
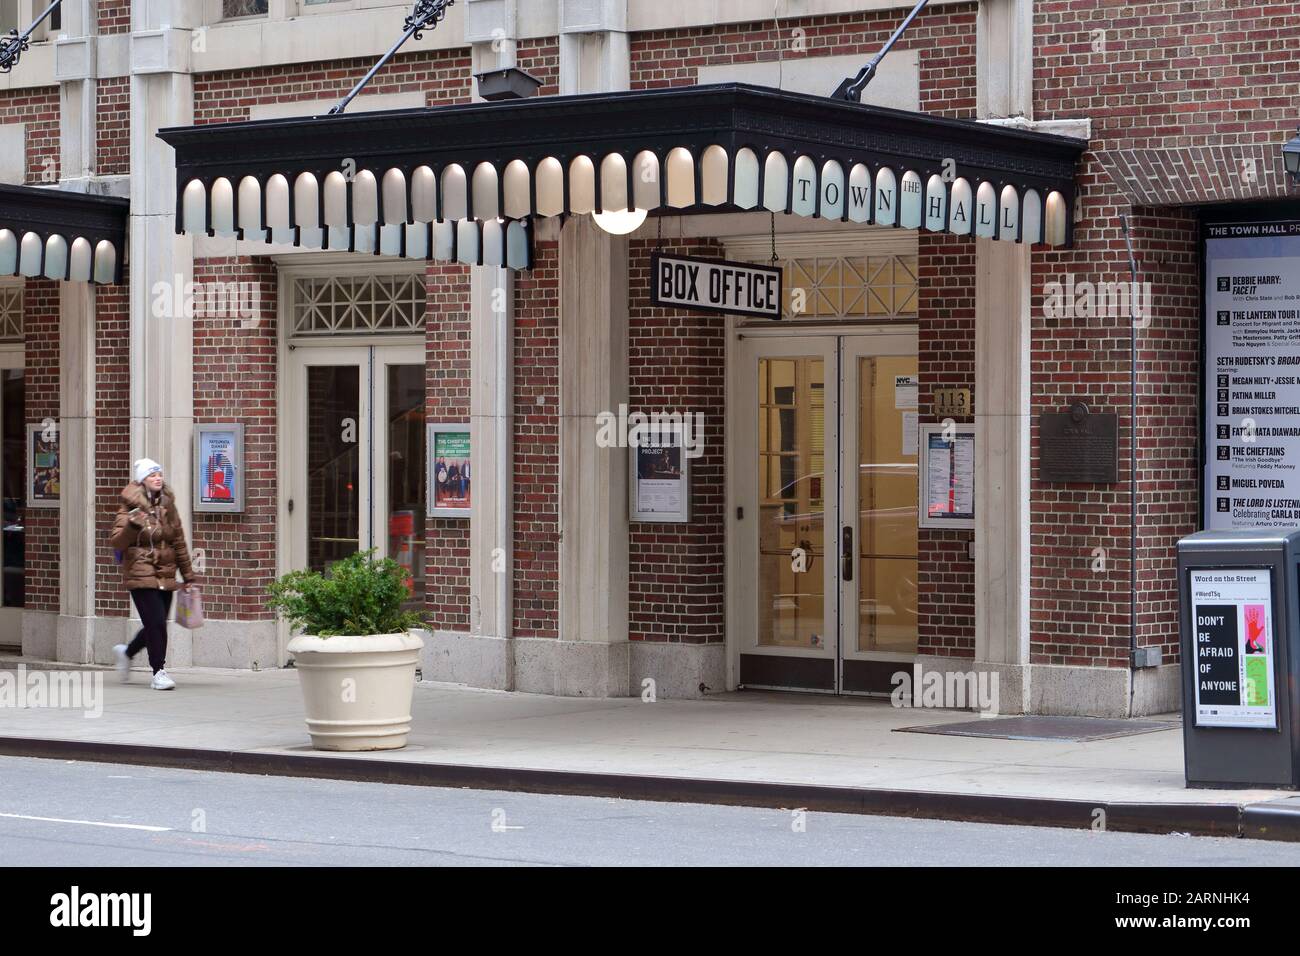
pixel 1187 103
pixel 676 363
pixel 537 446
pixel 41 404
pixel 235 375
pixel 38 111
pixel 945 317
pixel 113 16
pixel 112 436
pixel 446 399
pixel 944 37
pixel 113 127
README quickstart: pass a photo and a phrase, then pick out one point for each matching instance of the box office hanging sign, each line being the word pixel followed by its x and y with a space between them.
pixel 715 285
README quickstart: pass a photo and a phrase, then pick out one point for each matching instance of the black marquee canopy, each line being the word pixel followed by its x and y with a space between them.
pixel 60 234
pixel 464 182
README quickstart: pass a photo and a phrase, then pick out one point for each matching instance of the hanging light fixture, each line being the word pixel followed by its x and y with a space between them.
pixel 1291 156
pixel 620 223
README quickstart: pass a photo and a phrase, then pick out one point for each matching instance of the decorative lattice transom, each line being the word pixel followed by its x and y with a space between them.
pixel 871 287
pixel 11 313
pixel 358 305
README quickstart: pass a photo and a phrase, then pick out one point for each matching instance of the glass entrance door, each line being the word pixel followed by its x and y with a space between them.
pixel 826 567
pixel 356 438
pixel 13 457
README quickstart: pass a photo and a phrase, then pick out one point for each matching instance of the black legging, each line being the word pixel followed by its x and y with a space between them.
pixel 154 604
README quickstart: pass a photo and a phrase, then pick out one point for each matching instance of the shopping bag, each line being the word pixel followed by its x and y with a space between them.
pixel 189 608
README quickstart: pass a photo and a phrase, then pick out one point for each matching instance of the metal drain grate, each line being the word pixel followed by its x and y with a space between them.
pixel 1046 728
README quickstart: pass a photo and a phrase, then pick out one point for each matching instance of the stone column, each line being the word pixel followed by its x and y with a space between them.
pixel 1002 359
pixel 590 659
pixel 162 355
pixel 75 65
pixel 1004 88
pixel 78 515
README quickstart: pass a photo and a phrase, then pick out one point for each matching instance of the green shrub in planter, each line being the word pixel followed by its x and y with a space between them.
pixel 357 595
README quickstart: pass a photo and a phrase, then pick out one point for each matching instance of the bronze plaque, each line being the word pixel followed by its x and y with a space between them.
pixel 952 403
pixel 1078 446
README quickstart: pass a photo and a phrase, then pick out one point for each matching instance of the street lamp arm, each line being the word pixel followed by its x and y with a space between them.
pixel 425 16
pixel 851 88
pixel 16 44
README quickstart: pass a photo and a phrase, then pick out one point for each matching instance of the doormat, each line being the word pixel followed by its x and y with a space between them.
pixel 1046 728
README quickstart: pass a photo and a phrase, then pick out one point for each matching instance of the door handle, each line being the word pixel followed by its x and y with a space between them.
pixel 846 553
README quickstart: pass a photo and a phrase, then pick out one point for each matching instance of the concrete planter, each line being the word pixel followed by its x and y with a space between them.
pixel 357 689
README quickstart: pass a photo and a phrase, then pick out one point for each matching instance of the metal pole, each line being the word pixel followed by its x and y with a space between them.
pixel 851 89
pixel 1132 466
pixel 426 15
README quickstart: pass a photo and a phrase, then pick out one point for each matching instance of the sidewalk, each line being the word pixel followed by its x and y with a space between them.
pixel 755 748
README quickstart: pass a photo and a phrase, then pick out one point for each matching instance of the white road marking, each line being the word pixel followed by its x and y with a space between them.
pixel 88 823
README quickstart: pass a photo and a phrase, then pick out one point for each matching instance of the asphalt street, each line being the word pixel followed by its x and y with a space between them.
pixel 57 813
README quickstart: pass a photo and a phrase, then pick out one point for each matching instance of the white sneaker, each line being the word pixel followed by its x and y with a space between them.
pixel 123 663
pixel 162 682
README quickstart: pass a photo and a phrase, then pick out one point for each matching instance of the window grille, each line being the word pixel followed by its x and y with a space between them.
pixel 358 305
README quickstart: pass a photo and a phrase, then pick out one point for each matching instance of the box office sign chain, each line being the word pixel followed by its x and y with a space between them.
pixel 715 285
pixel 1232 617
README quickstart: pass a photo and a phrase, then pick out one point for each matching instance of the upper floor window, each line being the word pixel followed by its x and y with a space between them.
pixel 19 14
pixel 242 8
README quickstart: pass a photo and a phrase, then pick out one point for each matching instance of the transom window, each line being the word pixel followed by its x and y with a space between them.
pixel 863 286
pixel 358 305
pixel 11 313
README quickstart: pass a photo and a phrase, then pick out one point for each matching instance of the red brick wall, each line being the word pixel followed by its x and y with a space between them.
pixel 1079 609
pixel 113 126
pixel 1168 253
pixel 536 446
pixel 112 435
pixel 446 397
pixel 1166 73
pixel 113 16
pixel 235 375
pixel 443 76
pixel 38 109
pixel 677 364
pixel 227 97
pixel 41 402
pixel 946 359
pixel 1149 75
pixel 541 58
pixel 945 37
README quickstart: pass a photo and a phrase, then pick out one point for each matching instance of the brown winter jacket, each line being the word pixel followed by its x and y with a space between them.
pixel 151 539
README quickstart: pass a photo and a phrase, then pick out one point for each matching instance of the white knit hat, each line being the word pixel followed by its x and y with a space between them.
pixel 144 468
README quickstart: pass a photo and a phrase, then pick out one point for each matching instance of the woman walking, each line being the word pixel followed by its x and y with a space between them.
pixel 149 536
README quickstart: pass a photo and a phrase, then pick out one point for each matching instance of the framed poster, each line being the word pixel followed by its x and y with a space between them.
pixel 43 480
pixel 947 478
pixel 660 477
pixel 1235 630
pixel 448 494
pixel 1250 388
pixel 219 467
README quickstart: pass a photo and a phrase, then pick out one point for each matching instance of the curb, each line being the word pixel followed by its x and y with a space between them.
pixel 1259 821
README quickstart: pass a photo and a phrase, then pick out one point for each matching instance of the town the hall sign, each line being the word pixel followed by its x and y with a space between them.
pixel 715 285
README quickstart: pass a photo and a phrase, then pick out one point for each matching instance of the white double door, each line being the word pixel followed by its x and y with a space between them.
pixel 353 420
pixel 824 569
